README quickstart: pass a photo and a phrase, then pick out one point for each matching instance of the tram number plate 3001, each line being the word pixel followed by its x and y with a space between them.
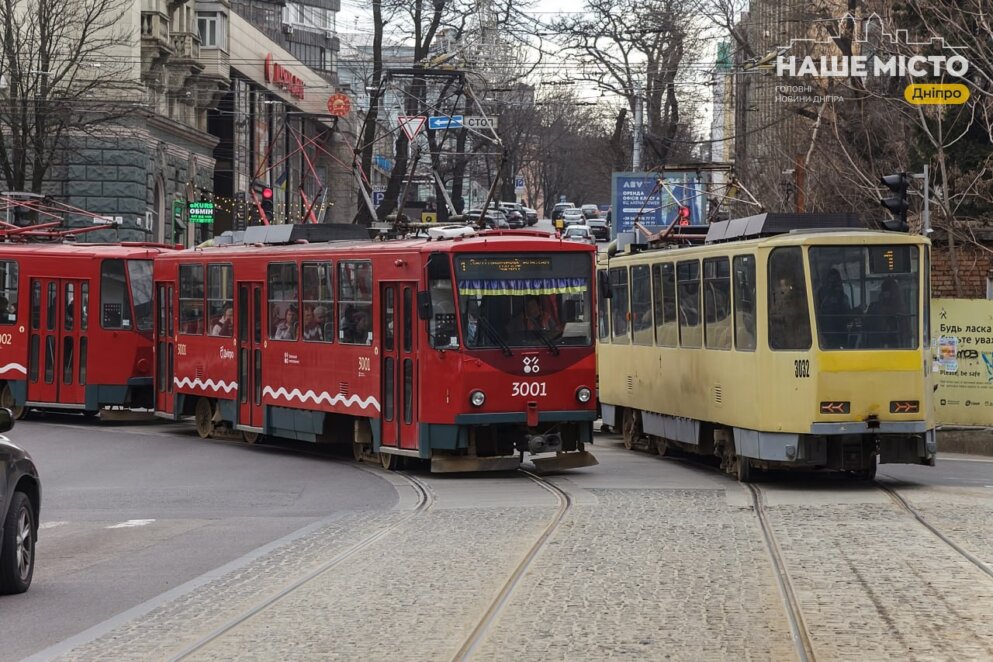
pixel 529 389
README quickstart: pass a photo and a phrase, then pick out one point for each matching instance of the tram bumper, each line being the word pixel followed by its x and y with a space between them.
pixel 544 443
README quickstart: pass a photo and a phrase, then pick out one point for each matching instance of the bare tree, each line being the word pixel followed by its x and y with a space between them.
pixel 62 74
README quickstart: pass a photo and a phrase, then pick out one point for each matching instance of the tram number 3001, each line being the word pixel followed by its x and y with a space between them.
pixel 532 389
pixel 801 368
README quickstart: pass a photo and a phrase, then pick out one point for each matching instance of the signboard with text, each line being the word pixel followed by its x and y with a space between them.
pixel 654 200
pixel 201 212
pixel 962 361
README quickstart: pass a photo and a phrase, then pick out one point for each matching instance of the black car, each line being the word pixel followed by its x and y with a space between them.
pixel 20 501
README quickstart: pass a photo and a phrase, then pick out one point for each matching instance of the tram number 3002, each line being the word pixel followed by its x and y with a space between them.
pixel 532 389
pixel 801 368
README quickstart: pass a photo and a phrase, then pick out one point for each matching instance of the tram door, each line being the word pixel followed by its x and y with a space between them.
pixel 250 310
pixel 57 349
pixel 399 392
pixel 165 346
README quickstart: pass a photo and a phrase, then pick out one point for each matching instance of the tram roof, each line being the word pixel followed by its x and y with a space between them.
pixel 83 249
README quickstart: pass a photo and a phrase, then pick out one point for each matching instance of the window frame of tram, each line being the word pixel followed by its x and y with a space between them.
pixel 603 303
pixel 354 276
pixel 688 292
pixel 642 323
pixel 443 332
pixel 191 296
pixel 664 295
pixel 283 298
pixel 220 297
pixel 789 330
pixel 115 292
pixel 717 303
pixel 744 288
pixel 317 292
pixel 9 270
pixel 619 297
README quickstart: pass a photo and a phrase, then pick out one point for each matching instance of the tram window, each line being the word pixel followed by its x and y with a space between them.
pixel 191 320
pixel 140 279
pixel 318 302
pixel 67 346
pixel 284 306
pixel 408 319
pixel 688 300
pixel 220 300
pixel 84 305
pixel 355 303
pixel 926 278
pixel 243 312
pixel 49 359
pixel 53 295
pixel 115 303
pixel 641 304
pixel 8 292
pixel 789 317
pixel 408 391
pixel 70 304
pixel 602 311
pixel 717 303
pixel 744 302
pixel 33 358
pixel 664 286
pixel 442 327
pixel 82 362
pixel 36 304
pixel 619 304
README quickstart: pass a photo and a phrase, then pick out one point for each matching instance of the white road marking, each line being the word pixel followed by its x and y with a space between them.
pixel 131 523
pixel 50 525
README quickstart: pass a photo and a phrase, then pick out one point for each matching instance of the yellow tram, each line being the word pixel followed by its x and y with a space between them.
pixel 772 347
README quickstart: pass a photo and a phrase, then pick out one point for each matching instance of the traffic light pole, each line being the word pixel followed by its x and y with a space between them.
pixel 926 214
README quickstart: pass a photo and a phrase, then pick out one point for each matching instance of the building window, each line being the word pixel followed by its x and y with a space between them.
pixel 210 25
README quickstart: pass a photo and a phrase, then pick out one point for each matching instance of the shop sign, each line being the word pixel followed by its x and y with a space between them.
pixel 278 75
pixel 339 105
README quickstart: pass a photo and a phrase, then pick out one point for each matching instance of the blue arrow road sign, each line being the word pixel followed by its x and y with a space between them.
pixel 445 122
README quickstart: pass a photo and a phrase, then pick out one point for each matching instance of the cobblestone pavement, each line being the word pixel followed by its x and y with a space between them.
pixel 964 515
pixel 873 584
pixel 649 575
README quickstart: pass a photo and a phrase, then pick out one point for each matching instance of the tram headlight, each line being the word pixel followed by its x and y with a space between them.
pixel 583 394
pixel 477 398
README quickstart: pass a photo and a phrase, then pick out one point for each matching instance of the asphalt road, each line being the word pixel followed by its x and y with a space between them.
pixel 130 511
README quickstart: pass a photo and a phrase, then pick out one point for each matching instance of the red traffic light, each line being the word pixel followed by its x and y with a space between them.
pixel 267 193
pixel 684 215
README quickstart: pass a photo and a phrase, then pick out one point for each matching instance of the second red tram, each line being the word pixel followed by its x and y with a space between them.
pixel 76 326
pixel 466 352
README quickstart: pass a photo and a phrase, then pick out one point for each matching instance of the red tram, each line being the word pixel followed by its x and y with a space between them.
pixel 53 353
pixel 465 351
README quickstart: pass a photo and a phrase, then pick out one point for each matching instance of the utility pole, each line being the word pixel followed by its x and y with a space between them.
pixel 926 213
pixel 638 111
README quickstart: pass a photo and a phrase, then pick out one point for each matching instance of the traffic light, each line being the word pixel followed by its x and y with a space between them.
pixel 267 203
pixel 898 203
pixel 684 215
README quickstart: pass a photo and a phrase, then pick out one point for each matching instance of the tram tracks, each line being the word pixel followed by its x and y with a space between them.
pixel 425 499
pixel 490 616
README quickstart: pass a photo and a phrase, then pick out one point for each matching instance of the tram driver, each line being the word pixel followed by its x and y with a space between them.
pixel 887 321
pixel 833 311
pixel 535 318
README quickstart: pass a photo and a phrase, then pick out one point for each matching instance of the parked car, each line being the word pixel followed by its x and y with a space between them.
pixel 20 502
pixel 579 233
pixel 531 215
pixel 572 216
pixel 494 220
pixel 559 208
pixel 590 211
pixel 599 228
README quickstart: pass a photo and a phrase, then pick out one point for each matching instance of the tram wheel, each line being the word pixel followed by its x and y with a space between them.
pixel 204 417
pixel 7 402
pixel 631 428
pixel 390 461
pixel 662 447
pixel 90 414
pixel 250 437
pixel 867 473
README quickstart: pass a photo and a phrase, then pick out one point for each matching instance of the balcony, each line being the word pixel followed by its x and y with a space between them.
pixel 216 65
pixel 155 24
pixel 187 47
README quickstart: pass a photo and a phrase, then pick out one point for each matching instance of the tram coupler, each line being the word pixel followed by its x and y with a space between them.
pixel 544 443
pixel 562 461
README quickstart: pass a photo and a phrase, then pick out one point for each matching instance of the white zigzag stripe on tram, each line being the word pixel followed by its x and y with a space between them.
pixel 219 385
pixel 14 366
pixel 337 399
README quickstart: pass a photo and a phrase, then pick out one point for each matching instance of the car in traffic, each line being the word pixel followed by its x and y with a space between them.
pixel 531 215
pixel 572 217
pixel 579 233
pixel 599 228
pixel 515 214
pixel 559 208
pixel 20 503
pixel 590 211
pixel 493 219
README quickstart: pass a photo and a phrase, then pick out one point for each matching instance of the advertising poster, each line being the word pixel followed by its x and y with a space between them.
pixel 639 196
pixel 962 333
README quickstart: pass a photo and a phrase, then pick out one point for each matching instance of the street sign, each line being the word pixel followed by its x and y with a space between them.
pixel 411 125
pixel 378 197
pixel 201 212
pixel 429 217
pixel 518 183
pixel 479 122
pixel 444 122
pixel 638 197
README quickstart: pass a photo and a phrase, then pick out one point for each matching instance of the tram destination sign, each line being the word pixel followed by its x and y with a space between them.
pixel 529 266
pixel 201 212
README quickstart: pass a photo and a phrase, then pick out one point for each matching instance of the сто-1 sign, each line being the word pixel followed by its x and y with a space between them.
pixel 479 122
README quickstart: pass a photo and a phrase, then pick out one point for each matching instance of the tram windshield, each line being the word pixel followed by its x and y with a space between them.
pixel 140 279
pixel 525 300
pixel 866 297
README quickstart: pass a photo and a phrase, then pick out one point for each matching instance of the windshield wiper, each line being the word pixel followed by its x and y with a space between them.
pixel 548 343
pixel 495 335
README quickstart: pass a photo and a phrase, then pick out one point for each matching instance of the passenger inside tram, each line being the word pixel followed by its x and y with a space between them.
pixel 286 329
pixel 223 325
pixel 833 311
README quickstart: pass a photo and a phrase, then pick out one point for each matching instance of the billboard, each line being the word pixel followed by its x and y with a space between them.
pixel 962 339
pixel 653 199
